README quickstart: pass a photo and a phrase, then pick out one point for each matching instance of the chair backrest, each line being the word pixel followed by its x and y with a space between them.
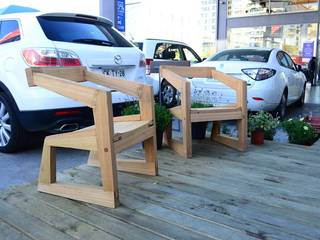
pixel 65 81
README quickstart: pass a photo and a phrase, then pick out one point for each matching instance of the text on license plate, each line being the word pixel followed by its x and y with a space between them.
pixel 114 72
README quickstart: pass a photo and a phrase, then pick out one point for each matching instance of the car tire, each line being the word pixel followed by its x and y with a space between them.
pixel 168 94
pixel 281 109
pixel 12 136
pixel 300 101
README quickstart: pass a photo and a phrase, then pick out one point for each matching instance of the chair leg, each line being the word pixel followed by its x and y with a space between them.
pixel 187 138
pixel 47 174
pixel 108 169
pixel 148 166
pixel 168 135
pixel 215 130
pixel 93 159
pixel 242 134
pixel 150 151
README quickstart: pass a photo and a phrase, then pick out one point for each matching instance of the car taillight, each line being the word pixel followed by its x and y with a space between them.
pixel 148 65
pixel 259 74
pixel 50 57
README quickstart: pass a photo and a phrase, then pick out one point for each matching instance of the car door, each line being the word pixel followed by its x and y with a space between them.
pixel 298 82
pixel 288 73
pixel 190 55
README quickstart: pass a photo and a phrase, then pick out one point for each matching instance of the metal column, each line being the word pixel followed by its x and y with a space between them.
pixel 107 9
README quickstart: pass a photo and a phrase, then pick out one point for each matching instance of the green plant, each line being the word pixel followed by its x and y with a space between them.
pixel 299 131
pixel 163 116
pixel 200 105
pixel 264 121
pixel 131 109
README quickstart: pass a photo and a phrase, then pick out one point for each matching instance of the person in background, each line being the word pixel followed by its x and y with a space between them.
pixel 312 69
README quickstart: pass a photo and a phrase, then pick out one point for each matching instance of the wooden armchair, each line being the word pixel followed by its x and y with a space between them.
pixel 108 136
pixel 176 76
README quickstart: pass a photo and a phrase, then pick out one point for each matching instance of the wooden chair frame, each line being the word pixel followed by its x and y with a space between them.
pixel 176 76
pixel 108 136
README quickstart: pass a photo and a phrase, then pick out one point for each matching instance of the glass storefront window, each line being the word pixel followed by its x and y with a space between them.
pixel 293 6
pixel 299 40
pixel 239 8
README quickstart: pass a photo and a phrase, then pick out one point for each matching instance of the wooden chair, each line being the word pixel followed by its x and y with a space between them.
pixel 176 76
pixel 109 135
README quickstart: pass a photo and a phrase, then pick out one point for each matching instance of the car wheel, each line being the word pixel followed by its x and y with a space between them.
pixel 12 135
pixel 282 107
pixel 300 101
pixel 169 95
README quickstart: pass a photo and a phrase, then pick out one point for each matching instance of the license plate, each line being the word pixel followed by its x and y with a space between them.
pixel 114 72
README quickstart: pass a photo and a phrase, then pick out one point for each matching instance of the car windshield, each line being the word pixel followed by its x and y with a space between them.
pixel 251 55
pixel 81 31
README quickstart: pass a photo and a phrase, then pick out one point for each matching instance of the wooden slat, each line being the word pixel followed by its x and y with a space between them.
pixel 28 225
pixel 10 233
pixel 112 222
pixel 103 117
pixel 82 139
pixel 185 72
pixel 133 138
pixel 82 193
pixel 66 88
pixel 176 112
pixel 125 86
pixel 134 117
pixel 228 80
pixel 215 116
pixel 58 219
pixel 75 74
pixel 173 78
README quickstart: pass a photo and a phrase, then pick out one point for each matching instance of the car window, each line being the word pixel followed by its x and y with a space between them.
pixel 189 55
pixel 282 59
pixel 290 62
pixel 9 31
pixel 167 51
pixel 81 31
pixel 251 55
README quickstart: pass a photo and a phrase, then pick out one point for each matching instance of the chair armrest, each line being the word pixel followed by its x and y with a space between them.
pixel 67 88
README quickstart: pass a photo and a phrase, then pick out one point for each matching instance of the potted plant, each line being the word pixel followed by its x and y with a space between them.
pixel 163 120
pixel 162 115
pixel 300 132
pixel 260 123
pixel 198 129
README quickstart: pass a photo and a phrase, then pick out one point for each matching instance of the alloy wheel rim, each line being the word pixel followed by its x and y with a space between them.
pixel 167 94
pixel 5 126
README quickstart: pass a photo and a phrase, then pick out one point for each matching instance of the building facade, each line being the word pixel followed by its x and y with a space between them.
pixel 292 25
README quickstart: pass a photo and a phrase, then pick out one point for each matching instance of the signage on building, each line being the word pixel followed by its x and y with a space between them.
pixel 307 50
pixel 121 15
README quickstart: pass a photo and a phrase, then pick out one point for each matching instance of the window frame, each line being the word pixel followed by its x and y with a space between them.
pixel 193 53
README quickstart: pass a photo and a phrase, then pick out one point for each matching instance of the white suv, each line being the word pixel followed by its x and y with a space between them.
pixel 56 40
pixel 166 52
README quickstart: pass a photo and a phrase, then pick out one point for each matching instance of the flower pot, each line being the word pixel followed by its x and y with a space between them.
pixel 159 134
pixel 198 130
pixel 257 137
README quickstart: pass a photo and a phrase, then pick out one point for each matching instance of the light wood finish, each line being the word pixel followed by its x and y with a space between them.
pixel 104 139
pixel 75 74
pixel 177 77
pixel 269 192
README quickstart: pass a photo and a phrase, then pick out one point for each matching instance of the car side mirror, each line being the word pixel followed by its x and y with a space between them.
pixel 299 68
pixel 203 59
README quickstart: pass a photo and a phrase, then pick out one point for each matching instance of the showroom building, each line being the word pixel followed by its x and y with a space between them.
pixel 292 25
